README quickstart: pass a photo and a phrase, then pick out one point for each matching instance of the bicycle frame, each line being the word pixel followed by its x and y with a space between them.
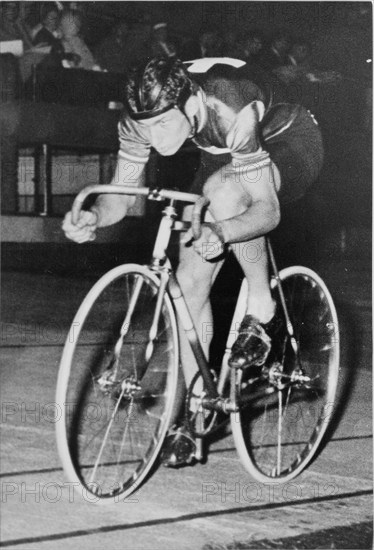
pixel 160 264
pixel 279 413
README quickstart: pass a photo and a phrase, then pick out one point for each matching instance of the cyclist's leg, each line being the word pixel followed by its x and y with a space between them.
pixel 296 161
pixel 196 277
pixel 260 326
pixel 226 201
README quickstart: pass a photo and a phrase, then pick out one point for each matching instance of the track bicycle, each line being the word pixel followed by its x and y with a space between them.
pixel 119 379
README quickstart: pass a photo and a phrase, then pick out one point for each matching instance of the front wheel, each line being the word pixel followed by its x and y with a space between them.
pixel 115 387
pixel 285 408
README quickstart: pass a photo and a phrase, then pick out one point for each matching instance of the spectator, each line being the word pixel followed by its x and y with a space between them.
pixel 11 25
pixel 161 45
pixel 210 43
pixel 48 35
pixel 276 54
pixel 297 67
pixel 113 52
pixel 252 47
pixel 299 54
pixel 72 49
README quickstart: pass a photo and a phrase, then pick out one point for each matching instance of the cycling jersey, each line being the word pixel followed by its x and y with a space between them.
pixel 227 92
pixel 228 131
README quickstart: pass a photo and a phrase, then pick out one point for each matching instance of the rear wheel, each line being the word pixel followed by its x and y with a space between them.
pixel 115 388
pixel 286 407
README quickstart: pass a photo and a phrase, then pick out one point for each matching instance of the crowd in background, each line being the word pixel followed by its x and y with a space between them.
pixel 327 69
pixel 58 36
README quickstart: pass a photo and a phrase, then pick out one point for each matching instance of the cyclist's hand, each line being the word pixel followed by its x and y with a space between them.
pixel 209 246
pixel 84 230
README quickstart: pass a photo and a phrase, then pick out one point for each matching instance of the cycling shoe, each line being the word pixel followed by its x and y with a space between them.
pixel 179 449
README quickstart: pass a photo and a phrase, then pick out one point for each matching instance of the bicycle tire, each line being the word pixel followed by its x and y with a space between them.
pixel 279 432
pixel 114 421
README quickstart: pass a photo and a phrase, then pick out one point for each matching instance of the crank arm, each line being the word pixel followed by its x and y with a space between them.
pixel 220 404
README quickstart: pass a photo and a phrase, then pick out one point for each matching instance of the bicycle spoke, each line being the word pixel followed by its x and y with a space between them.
pixel 125 432
pixel 123 404
pixel 279 430
pixel 105 438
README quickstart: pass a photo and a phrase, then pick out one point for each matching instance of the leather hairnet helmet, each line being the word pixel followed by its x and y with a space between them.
pixel 162 84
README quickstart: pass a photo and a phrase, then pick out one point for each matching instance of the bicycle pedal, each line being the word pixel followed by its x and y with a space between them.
pixel 179 450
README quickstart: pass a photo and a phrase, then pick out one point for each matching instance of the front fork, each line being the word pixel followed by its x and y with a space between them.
pixel 164 278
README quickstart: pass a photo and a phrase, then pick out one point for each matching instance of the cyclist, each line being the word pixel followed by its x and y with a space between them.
pixel 254 156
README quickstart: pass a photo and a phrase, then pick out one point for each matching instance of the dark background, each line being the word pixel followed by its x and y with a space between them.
pixel 341 201
pixel 340 32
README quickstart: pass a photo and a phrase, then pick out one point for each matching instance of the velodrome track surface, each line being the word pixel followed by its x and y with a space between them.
pixel 206 506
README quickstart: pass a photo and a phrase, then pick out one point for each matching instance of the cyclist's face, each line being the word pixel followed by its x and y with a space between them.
pixel 168 132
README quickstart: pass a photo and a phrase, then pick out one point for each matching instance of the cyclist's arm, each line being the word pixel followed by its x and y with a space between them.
pixel 111 209
pixel 261 212
pixel 261 215
pixel 243 200
pixel 256 204
pixel 251 169
pixel 133 155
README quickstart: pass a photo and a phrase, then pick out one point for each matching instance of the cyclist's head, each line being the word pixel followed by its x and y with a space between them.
pixel 161 85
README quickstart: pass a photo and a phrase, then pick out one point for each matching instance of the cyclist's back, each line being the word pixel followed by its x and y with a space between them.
pixel 229 91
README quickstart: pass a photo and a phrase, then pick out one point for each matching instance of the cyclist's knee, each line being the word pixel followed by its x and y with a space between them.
pixel 225 199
